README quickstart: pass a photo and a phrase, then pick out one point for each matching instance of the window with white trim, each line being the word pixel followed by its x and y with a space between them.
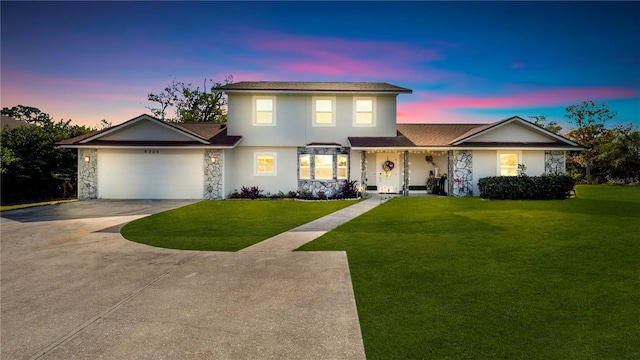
pixel 265 164
pixel 264 110
pixel 324 111
pixel 363 109
pixel 508 163
pixel 343 166
pixel 323 167
pixel 305 166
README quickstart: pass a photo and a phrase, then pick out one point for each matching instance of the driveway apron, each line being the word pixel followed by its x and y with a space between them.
pixel 72 287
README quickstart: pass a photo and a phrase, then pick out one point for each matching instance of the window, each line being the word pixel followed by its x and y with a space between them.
pixel 324 166
pixel 264 111
pixel 508 164
pixel 323 111
pixel 305 166
pixel 265 163
pixel 363 112
pixel 343 169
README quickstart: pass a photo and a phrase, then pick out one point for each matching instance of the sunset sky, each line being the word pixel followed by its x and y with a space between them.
pixel 466 61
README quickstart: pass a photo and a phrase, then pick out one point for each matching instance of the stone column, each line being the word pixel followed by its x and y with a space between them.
pixel 213 174
pixel 363 171
pixel 462 176
pixel 87 174
pixel 405 186
pixel 554 162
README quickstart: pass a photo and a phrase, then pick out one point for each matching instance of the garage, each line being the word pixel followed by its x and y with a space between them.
pixel 147 158
pixel 150 174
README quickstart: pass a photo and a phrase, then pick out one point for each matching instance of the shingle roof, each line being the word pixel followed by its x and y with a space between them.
pixel 369 87
pixel 212 134
pixel 436 134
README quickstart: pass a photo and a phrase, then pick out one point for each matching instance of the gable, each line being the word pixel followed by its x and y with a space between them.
pixel 514 132
pixel 145 130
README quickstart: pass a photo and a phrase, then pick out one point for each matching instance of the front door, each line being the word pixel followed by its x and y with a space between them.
pixel 388 172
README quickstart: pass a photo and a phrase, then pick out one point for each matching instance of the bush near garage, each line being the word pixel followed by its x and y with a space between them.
pixel 544 187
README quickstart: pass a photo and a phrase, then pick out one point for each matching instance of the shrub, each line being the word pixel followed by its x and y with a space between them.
pixel 247 193
pixel 543 187
pixel 349 190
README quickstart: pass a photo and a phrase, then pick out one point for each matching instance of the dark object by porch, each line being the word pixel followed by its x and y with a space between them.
pixel 439 186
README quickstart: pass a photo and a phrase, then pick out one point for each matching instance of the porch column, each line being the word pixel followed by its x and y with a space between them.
pixel 363 171
pixel 405 186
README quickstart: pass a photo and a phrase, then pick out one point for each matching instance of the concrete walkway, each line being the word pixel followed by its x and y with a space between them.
pixel 294 238
pixel 72 287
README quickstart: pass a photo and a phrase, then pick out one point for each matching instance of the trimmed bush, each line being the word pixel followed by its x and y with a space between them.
pixel 545 187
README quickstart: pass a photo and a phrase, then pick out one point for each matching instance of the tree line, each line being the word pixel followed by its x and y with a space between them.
pixel 612 152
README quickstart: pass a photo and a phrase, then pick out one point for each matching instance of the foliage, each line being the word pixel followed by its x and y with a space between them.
pixel 29 114
pixel 191 105
pixel 620 156
pixel 543 122
pixel 32 168
pixel 589 121
pixel 349 190
pixel 225 225
pixel 433 277
pixel 545 187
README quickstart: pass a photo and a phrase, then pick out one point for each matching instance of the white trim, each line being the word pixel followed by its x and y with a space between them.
pixel 138 119
pixel 523 122
pixel 255 163
pixel 338 167
pixel 254 110
pixel 355 111
pixel 315 167
pixel 436 148
pixel 518 153
pixel 308 167
pixel 333 111
pixel 327 92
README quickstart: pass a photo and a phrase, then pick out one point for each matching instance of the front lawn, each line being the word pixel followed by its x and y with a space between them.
pixel 453 278
pixel 225 225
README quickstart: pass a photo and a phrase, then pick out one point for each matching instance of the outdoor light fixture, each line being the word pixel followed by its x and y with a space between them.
pixel 213 160
pixel 87 159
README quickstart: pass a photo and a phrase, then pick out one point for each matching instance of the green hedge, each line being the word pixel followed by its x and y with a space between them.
pixel 543 187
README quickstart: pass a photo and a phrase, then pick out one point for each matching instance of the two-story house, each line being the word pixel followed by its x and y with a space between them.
pixel 307 136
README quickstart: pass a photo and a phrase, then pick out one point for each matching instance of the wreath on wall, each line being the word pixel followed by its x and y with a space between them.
pixel 387 166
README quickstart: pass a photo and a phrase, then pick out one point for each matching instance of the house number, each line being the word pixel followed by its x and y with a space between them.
pixel 152 151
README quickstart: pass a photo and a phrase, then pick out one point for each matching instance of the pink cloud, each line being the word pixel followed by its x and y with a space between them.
pixel 438 107
pixel 337 56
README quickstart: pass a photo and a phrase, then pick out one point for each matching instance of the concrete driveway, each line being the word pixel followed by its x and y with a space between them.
pixel 72 287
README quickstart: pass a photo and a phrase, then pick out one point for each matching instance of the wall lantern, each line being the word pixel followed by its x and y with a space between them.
pixel 87 159
pixel 213 160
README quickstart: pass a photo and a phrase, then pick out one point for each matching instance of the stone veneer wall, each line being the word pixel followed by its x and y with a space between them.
pixel 461 176
pixel 87 174
pixel 405 184
pixel 363 171
pixel 320 186
pixel 213 175
pixel 554 162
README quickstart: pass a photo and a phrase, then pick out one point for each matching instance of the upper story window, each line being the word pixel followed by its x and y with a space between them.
pixel 364 114
pixel 305 166
pixel 264 110
pixel 265 163
pixel 324 112
pixel 508 163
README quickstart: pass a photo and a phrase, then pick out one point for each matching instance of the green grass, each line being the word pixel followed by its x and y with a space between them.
pixel 467 278
pixel 29 205
pixel 225 225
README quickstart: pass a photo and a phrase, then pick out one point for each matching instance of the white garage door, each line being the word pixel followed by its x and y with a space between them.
pixel 150 174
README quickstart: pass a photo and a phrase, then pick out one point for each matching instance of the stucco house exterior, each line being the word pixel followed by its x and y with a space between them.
pixel 307 136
